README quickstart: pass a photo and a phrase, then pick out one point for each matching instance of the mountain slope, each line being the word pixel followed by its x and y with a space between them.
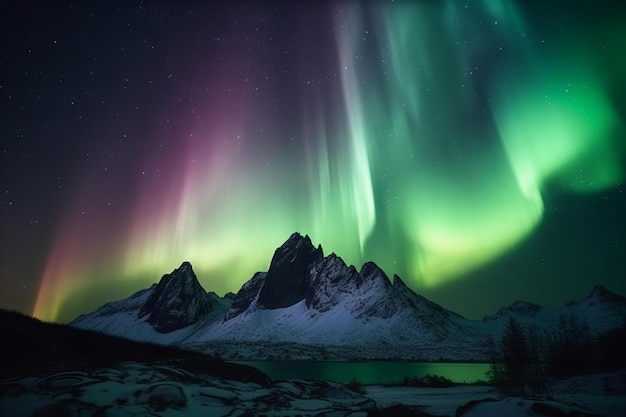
pixel 37 348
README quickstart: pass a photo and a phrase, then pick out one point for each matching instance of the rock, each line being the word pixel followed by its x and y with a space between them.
pixel 287 279
pixel 163 396
pixel 177 301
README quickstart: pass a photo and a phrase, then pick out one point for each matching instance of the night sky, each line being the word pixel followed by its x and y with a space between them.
pixel 477 149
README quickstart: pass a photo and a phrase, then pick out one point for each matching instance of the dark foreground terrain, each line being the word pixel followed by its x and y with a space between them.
pixel 35 348
pixel 56 370
pixel 52 370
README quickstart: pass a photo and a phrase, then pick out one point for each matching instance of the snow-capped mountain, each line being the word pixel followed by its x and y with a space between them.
pixel 332 305
pixel 177 302
pixel 517 309
pixel 602 310
pixel 288 279
pixel 318 288
pixel 311 306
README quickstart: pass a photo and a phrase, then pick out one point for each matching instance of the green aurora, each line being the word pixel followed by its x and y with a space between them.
pixel 424 136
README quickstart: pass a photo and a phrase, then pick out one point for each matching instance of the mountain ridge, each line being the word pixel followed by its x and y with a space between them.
pixel 324 306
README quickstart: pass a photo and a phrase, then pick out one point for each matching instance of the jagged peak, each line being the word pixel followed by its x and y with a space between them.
pixel 398 282
pixel 371 267
pixel 185 268
pixel 525 308
pixel 182 276
pixel 372 272
pixel 297 236
pixel 177 301
pixel 287 278
pixel 297 246
pixel 296 241
pixel 332 258
pixel 600 293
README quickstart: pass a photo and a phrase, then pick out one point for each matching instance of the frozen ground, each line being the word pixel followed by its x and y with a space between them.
pixel 598 394
pixel 603 393
pixel 521 407
pixel 434 401
pixel 132 389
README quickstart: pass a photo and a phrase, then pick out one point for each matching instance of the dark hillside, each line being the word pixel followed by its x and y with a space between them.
pixel 34 348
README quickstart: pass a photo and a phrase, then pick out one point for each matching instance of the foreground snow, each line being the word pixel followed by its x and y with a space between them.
pixel 433 401
pixel 133 389
pixel 520 407
pixel 165 390
pixel 597 394
pixel 603 393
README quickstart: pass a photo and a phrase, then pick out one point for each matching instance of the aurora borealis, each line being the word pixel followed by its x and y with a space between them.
pixel 476 149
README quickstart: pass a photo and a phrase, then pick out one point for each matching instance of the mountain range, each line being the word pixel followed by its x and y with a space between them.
pixel 308 306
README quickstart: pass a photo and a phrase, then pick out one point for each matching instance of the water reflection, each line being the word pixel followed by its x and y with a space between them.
pixel 370 372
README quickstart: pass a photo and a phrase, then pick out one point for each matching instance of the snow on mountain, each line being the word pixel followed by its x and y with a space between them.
pixel 177 301
pixel 317 306
pixel 246 296
pixel 602 310
pixel 518 308
pixel 332 304
pixel 163 313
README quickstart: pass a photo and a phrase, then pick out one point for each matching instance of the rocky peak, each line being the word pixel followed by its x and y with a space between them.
pixel 288 277
pixel 522 308
pixel 602 293
pixel 371 274
pixel 367 292
pixel 246 295
pixel 397 281
pixel 330 279
pixel 402 289
pixel 177 301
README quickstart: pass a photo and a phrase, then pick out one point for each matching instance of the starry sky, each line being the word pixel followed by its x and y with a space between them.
pixel 477 149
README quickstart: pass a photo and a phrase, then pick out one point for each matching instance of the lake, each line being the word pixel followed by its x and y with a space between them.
pixel 370 372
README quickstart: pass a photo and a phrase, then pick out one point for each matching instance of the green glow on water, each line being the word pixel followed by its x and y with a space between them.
pixel 370 372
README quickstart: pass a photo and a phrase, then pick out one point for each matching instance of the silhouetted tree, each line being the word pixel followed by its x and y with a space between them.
pixel 495 374
pixel 515 356
pixel 570 348
pixel 610 348
pixel 535 365
pixel 521 361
